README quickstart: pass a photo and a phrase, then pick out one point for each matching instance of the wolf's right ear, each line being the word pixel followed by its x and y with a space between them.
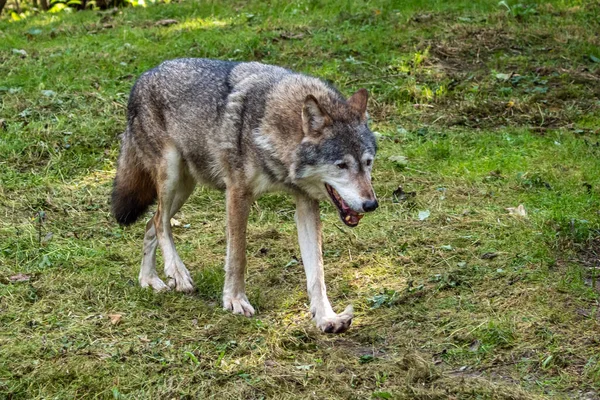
pixel 314 117
pixel 358 101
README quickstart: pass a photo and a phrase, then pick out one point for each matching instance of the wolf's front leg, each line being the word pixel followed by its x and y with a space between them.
pixel 238 204
pixel 308 222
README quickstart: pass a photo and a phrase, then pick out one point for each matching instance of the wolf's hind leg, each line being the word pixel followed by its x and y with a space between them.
pixel 308 223
pixel 174 188
pixel 148 275
pixel 238 204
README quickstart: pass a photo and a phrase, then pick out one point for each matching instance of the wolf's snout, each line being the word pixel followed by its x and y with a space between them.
pixel 370 205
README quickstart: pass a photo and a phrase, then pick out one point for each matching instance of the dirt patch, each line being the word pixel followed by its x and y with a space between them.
pixel 467 47
pixel 502 75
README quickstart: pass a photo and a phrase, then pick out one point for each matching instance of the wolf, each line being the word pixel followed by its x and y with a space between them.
pixel 246 128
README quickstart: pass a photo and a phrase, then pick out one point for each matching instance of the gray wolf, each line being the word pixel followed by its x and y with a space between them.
pixel 247 129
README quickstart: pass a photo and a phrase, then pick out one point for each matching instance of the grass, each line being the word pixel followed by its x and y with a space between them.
pixel 490 106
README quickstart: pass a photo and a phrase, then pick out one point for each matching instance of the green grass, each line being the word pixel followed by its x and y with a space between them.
pixel 491 107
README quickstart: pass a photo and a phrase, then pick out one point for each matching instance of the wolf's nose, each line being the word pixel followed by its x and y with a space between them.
pixel 370 205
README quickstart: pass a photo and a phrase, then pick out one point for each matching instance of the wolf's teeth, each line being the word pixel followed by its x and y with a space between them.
pixel 347 219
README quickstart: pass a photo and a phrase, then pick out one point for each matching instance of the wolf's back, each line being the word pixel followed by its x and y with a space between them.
pixel 202 107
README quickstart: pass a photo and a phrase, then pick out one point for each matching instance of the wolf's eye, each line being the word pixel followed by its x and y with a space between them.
pixel 369 162
pixel 342 165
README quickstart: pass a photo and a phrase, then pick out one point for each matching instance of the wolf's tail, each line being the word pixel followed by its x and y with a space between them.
pixel 134 189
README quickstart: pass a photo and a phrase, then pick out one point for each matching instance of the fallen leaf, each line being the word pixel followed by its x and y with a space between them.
pixel 291 36
pixel 400 160
pixel 474 346
pixel 48 93
pixel 47 238
pixel 293 261
pixel 422 17
pixel 166 22
pixel 594 58
pixel 115 318
pixel 503 77
pixel 489 255
pixel 21 52
pixel 399 195
pixel 423 215
pixel 175 222
pixel 518 211
pixel 20 277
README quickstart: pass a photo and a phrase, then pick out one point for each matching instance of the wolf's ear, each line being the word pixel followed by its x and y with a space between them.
pixel 314 117
pixel 358 102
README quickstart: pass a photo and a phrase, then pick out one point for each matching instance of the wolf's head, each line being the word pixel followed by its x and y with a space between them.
pixel 336 155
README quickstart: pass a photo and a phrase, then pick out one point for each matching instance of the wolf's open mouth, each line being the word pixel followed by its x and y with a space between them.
pixel 348 215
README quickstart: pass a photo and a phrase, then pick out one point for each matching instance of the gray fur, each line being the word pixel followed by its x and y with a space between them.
pixel 246 128
pixel 214 110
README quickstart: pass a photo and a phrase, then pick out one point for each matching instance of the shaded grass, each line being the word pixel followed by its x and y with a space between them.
pixel 491 108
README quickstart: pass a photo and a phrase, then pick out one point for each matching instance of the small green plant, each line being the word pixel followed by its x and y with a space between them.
pixel 519 10
pixel 383 299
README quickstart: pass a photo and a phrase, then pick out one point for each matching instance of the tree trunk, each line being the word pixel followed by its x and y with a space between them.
pixel 2 4
pixel 44 4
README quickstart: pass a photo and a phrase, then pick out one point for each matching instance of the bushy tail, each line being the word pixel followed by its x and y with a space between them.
pixel 134 189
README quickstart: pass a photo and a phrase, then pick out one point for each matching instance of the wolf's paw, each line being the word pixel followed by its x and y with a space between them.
pixel 338 323
pixel 238 304
pixel 154 282
pixel 180 279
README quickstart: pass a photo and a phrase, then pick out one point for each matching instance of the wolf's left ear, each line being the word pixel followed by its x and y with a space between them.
pixel 314 117
pixel 358 102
